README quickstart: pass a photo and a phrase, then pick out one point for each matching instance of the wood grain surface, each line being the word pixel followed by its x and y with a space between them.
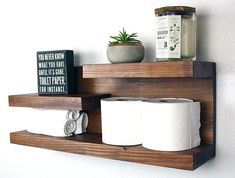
pixel 91 144
pixel 173 69
pixel 80 102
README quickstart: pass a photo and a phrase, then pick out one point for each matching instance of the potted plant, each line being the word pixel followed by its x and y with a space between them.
pixel 125 48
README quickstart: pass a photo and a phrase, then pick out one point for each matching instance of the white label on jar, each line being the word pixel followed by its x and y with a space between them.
pixel 168 36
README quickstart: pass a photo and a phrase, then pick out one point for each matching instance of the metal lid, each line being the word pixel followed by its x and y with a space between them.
pixel 166 9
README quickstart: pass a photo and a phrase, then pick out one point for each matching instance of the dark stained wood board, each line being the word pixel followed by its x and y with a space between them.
pixel 91 144
pixel 164 69
pixel 80 102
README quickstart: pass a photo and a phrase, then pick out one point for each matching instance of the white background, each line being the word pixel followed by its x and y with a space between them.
pixel 27 26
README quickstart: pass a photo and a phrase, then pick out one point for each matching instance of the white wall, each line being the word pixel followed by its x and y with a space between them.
pixel 28 26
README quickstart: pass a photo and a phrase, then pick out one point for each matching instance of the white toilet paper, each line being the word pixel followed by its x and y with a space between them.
pixel 171 124
pixel 82 123
pixel 81 119
pixel 58 123
pixel 48 122
pixel 121 121
pixel 195 124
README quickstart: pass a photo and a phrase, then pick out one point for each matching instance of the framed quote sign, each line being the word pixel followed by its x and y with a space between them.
pixel 55 71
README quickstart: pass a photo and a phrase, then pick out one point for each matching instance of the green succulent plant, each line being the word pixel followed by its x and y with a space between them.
pixel 124 38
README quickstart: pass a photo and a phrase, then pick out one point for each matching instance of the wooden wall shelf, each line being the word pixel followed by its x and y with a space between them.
pixel 181 79
pixel 149 70
pixel 80 102
pixel 91 144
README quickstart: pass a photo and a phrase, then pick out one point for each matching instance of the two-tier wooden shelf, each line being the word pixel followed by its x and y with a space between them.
pixel 183 79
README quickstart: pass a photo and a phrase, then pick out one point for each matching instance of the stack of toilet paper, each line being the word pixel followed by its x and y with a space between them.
pixel 60 123
pixel 165 124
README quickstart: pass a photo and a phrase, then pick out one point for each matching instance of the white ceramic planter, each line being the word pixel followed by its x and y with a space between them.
pixel 125 53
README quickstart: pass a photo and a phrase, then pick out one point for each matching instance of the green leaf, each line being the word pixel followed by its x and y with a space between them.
pixel 124 37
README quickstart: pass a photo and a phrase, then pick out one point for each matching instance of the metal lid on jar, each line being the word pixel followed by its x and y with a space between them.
pixel 179 10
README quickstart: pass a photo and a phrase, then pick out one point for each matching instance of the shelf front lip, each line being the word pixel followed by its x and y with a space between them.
pixel 92 145
pixel 166 69
pixel 80 102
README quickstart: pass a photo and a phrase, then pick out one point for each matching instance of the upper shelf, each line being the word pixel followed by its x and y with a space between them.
pixel 80 102
pixel 150 70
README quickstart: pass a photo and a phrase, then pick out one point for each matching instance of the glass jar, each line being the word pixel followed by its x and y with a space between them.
pixel 176 33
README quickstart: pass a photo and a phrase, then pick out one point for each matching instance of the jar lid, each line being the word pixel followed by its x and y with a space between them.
pixel 167 9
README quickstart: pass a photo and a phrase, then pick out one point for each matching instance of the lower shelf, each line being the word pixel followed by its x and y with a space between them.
pixel 91 144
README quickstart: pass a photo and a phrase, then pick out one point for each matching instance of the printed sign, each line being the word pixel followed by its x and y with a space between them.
pixel 55 72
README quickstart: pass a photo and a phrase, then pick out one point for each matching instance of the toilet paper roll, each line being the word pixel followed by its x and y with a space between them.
pixel 82 123
pixel 58 123
pixel 73 114
pixel 171 124
pixel 50 122
pixel 195 124
pixel 121 121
